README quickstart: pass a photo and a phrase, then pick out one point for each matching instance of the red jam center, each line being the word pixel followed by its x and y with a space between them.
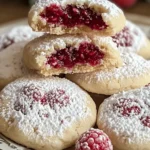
pixel 124 38
pixel 146 121
pixel 127 107
pixel 73 16
pixel 94 140
pixel 87 53
pixel 53 98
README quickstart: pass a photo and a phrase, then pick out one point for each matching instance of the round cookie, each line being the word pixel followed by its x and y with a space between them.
pixel 53 54
pixel 45 113
pixel 17 34
pixel 99 17
pixel 125 118
pixel 133 39
pixel 11 64
pixel 134 73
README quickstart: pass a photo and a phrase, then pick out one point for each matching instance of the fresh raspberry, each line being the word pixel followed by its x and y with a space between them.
pixel 127 107
pixel 94 139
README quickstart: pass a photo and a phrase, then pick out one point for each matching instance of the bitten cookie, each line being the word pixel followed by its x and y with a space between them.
pixel 45 113
pixel 11 64
pixel 17 34
pixel 76 16
pixel 52 55
pixel 133 39
pixel 134 73
pixel 125 117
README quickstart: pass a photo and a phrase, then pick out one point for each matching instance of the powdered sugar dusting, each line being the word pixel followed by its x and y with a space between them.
pixel 44 106
pixel 132 128
pixel 52 43
pixel 17 34
pixel 133 66
pixel 11 61
pixel 130 39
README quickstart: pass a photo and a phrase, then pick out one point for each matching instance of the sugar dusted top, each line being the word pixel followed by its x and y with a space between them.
pixel 52 43
pixel 127 114
pixel 130 39
pixel 44 106
pixel 17 34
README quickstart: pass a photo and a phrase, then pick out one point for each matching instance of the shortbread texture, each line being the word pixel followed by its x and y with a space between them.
pixel 125 118
pixel 45 113
pixel 112 16
pixel 134 73
pixel 37 51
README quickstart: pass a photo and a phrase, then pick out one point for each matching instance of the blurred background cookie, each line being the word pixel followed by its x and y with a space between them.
pixel 17 34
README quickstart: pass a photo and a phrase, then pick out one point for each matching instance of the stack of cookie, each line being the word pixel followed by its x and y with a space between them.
pixel 77 39
pixel 90 42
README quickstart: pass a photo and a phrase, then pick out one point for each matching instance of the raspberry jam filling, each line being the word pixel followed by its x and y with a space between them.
pixel 87 53
pixel 146 121
pixel 127 107
pixel 53 98
pixel 72 16
pixel 124 38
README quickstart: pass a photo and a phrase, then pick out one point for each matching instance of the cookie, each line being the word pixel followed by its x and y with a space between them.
pixel 11 64
pixel 133 39
pixel 76 16
pixel 134 73
pixel 17 34
pixel 125 117
pixel 45 113
pixel 52 55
